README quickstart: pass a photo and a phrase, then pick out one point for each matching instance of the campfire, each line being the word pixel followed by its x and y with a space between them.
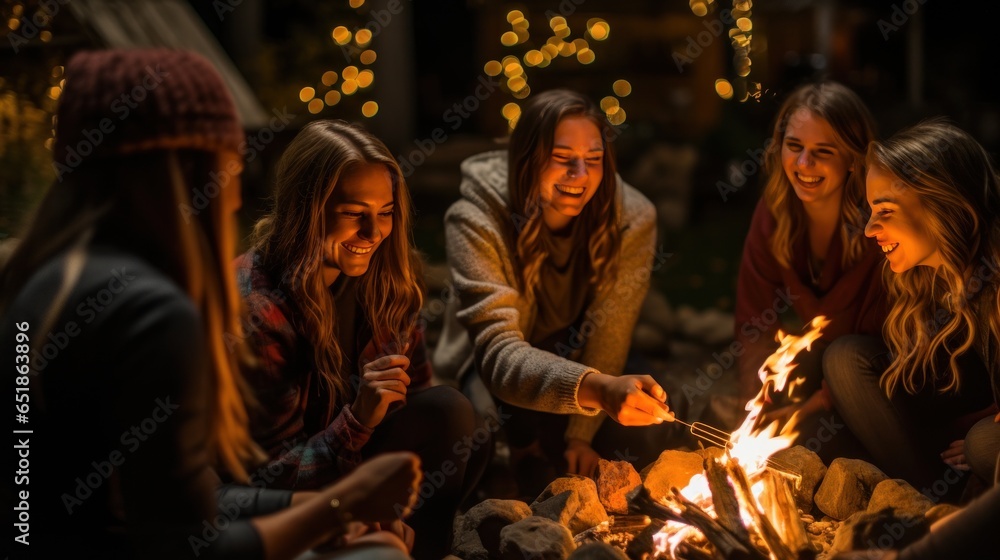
pixel 742 506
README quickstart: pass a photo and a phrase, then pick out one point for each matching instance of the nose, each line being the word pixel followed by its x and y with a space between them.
pixel 804 160
pixel 370 231
pixel 873 227
pixel 576 168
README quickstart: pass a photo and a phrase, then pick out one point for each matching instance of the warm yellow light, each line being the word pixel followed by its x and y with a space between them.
pixel 562 31
pixel 45 36
pixel 13 24
pixel 511 111
pixel 332 97
pixel 369 109
pixel 363 37
pixel 567 49
pixel 724 88
pixel 617 117
pixel 508 39
pixel 744 24
pixel 368 57
pixel 522 34
pixel 514 15
pixel 698 7
pixel 518 22
pixel 54 92
pixel 533 57
pixel 306 93
pixel 492 68
pixel 57 71
pixel 341 35
pixel 600 31
pixel 608 103
pixel 557 21
pixel 350 73
pixel 513 69
pixel 315 106
pixel 581 44
pixel 516 84
pixel 585 56
pixel 357 3
pixel 622 88
pixel 550 51
pixel 349 87
pixel 522 93
pixel 365 78
pixel 329 78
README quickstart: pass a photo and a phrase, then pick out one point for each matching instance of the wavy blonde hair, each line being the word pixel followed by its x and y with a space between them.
pixel 135 202
pixel 289 241
pixel 853 128
pixel 958 188
pixel 528 153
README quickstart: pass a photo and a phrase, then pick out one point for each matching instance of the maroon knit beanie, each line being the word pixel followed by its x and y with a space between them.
pixel 124 101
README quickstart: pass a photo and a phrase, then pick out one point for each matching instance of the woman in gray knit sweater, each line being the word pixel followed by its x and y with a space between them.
pixel 550 255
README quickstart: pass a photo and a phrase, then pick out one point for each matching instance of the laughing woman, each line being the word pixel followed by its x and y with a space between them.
pixel 550 254
pixel 935 200
pixel 806 251
pixel 332 286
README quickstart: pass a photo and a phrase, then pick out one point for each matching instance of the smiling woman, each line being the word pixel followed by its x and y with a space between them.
pixel 333 289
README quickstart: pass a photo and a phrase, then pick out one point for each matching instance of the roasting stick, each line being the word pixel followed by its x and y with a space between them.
pixel 719 438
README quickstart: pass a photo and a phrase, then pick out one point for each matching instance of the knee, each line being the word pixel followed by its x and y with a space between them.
pixel 850 357
pixel 982 447
pixel 448 409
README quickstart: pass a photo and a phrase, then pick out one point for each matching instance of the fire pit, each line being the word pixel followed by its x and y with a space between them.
pixel 751 499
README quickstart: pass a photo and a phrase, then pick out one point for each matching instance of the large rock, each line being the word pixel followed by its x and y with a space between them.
pixel 597 551
pixel 847 487
pixel 899 495
pixel 671 469
pixel 559 508
pixel 590 511
pixel 880 530
pixel 615 479
pixel 478 532
pixel 535 537
pixel 810 468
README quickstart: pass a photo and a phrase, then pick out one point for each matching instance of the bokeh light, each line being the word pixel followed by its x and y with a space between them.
pixel 306 93
pixel 369 109
pixel 622 88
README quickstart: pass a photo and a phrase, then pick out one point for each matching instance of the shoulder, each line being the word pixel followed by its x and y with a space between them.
pixel 636 208
pixel 487 167
pixel 266 302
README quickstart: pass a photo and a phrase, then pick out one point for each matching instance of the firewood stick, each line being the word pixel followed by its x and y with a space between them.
pixel 727 506
pixel 725 542
pixel 780 503
pixel 767 531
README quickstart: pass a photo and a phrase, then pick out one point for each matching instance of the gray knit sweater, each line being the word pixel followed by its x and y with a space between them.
pixel 486 325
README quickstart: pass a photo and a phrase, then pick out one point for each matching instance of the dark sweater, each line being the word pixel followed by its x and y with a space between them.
pixel 853 299
pixel 120 463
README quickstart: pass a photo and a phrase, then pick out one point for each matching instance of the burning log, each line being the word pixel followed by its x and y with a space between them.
pixel 779 502
pixel 726 543
pixel 767 531
pixel 727 506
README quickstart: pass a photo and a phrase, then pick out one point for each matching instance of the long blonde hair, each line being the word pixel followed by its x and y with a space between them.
pixel 957 186
pixel 289 241
pixel 136 202
pixel 853 128
pixel 529 151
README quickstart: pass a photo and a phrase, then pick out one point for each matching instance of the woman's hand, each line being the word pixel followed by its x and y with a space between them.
pixel 632 400
pixel 382 489
pixel 581 458
pixel 955 455
pixel 383 382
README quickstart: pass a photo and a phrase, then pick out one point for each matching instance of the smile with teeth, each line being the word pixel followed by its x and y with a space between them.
pixel 889 248
pixel 565 189
pixel 808 178
pixel 357 250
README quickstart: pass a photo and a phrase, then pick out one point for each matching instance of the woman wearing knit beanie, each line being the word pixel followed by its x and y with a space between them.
pixel 119 297
pixel 333 293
